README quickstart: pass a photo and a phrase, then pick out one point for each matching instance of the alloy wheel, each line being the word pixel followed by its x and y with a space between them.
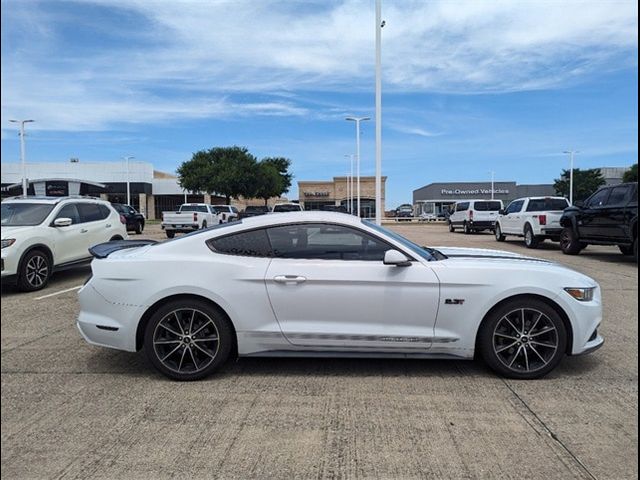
pixel 525 340
pixel 186 341
pixel 37 271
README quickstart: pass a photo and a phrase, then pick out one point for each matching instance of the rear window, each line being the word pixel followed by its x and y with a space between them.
pixel 256 209
pixel 547 205
pixel 287 208
pixel 487 206
pixel 193 208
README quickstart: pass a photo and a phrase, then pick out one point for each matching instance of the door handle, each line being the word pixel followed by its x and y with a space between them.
pixel 108 225
pixel 84 230
pixel 289 279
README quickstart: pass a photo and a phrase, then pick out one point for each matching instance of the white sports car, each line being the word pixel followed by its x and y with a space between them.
pixel 328 284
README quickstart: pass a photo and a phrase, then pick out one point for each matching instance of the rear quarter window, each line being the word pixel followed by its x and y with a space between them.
pixel 254 243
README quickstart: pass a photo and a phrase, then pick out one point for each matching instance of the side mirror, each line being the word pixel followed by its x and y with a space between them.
pixel 502 211
pixel 62 222
pixel 394 257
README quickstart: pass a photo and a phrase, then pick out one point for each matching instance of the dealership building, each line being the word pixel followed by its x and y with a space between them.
pixel 314 195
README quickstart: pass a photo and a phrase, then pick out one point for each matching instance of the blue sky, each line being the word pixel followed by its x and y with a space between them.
pixel 468 86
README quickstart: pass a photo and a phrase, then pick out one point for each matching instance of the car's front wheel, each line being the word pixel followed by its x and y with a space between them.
pixel 35 271
pixel 188 339
pixel 523 339
pixel 569 242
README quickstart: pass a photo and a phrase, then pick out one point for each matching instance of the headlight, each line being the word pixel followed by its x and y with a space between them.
pixel 581 294
pixel 7 242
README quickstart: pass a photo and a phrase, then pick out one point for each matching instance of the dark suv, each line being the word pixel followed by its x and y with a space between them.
pixel 608 217
pixel 135 220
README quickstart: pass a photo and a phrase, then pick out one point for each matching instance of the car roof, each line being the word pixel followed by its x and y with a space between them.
pixel 319 216
pixel 50 200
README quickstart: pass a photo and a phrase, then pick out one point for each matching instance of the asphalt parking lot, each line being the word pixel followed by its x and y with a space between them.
pixel 70 410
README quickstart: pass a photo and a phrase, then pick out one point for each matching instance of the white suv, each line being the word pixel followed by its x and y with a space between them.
pixel 43 234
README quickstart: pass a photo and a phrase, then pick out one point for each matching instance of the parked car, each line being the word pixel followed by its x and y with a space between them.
pixel 135 221
pixel 536 219
pixel 41 235
pixel 404 211
pixel 608 217
pixel 226 213
pixel 327 284
pixel 287 207
pixel 188 218
pixel 254 211
pixel 475 215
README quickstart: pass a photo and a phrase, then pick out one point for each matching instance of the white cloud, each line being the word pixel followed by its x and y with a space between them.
pixel 209 59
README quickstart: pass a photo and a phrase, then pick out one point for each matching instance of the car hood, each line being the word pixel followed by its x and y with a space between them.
pixel 455 252
pixel 11 232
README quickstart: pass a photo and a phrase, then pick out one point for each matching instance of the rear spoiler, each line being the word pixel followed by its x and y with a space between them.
pixel 103 250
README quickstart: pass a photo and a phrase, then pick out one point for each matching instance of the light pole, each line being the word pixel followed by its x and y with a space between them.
pixel 350 184
pixel 357 120
pixel 379 24
pixel 22 154
pixel 493 183
pixel 571 153
pixel 127 158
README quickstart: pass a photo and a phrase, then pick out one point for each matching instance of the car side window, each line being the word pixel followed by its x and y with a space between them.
pixel 462 207
pixel 247 244
pixel 599 199
pixel 69 211
pixel 618 196
pixel 325 242
pixel 90 212
pixel 515 207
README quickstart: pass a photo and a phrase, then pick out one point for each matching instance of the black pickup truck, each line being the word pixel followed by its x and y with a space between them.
pixel 608 217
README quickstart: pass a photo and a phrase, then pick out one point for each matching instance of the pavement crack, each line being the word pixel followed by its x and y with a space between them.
pixel 540 422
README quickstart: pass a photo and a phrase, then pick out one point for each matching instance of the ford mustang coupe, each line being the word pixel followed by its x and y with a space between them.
pixel 329 284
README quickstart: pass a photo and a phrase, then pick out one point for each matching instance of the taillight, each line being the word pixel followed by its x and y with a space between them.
pixel 123 220
pixel 471 215
pixel 195 217
pixel 542 219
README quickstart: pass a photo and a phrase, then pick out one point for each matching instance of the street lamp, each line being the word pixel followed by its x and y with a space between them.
pixel 350 184
pixel 571 153
pixel 357 120
pixel 379 24
pixel 22 159
pixel 493 183
pixel 126 159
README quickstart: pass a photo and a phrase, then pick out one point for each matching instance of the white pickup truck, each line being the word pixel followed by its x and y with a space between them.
pixel 536 219
pixel 188 218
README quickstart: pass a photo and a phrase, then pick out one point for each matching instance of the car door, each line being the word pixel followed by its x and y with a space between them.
pixel 612 215
pixel 69 241
pixel 590 221
pixel 329 289
pixel 511 221
pixel 96 225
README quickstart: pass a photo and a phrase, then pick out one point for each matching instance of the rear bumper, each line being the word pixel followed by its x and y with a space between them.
pixel 180 227
pixel 551 232
pixel 483 224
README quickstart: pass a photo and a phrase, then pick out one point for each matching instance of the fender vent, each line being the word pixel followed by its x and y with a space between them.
pixel 109 329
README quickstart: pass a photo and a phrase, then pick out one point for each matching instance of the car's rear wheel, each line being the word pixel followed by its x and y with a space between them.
pixel 170 233
pixel 530 240
pixel 187 339
pixel 523 339
pixel 204 225
pixel 467 228
pixel 139 228
pixel 498 232
pixel 626 249
pixel 569 242
pixel 35 271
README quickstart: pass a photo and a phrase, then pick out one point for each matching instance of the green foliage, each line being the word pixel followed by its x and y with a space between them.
pixel 585 182
pixel 631 175
pixel 233 172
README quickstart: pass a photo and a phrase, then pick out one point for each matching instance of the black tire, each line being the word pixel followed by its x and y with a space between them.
pixel 635 249
pixel 139 228
pixel 170 233
pixel 530 240
pixel 569 243
pixel 498 233
pixel 176 351
pixel 626 249
pixel 451 227
pixel 466 228
pixel 204 225
pixel 116 238
pixel 529 359
pixel 34 272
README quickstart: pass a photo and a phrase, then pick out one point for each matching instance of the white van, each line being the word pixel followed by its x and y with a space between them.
pixel 474 215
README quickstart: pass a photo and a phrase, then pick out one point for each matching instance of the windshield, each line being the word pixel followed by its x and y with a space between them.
pixel 547 205
pixel 24 214
pixel 428 254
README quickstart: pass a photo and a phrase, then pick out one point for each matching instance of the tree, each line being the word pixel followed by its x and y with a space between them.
pixel 585 182
pixel 227 171
pixel 273 177
pixel 631 175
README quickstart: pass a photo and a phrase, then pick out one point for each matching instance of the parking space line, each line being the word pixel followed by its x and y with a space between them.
pixel 58 293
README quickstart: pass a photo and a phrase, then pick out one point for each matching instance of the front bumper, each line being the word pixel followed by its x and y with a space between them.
pixel 9 263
